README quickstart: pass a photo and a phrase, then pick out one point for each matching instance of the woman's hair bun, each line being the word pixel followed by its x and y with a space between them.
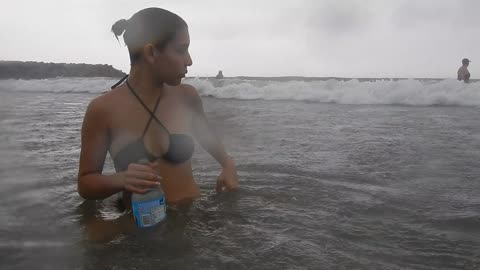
pixel 119 27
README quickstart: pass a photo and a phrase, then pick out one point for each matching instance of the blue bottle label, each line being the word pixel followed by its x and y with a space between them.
pixel 149 213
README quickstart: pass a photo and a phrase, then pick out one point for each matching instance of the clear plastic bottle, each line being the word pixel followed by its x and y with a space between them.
pixel 149 209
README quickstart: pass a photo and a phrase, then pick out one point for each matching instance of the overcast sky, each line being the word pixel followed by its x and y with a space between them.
pixel 345 38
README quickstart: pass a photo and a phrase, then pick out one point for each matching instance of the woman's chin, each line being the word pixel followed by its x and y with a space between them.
pixel 175 82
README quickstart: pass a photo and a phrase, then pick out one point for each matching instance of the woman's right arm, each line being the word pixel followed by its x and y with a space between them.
pixel 92 184
pixel 94 146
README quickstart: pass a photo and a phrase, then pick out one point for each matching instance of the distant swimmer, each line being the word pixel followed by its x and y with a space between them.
pixel 219 75
pixel 463 74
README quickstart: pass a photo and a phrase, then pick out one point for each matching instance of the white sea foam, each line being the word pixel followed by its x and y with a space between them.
pixel 404 92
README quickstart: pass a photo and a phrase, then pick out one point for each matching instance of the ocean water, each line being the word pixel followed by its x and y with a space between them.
pixel 334 175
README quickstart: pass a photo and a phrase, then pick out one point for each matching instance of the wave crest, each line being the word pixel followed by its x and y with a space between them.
pixel 404 92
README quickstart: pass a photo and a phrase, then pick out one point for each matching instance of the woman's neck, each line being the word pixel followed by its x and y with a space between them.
pixel 144 84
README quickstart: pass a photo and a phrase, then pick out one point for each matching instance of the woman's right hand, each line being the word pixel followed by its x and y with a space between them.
pixel 139 178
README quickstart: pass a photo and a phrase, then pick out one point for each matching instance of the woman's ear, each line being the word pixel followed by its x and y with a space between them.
pixel 149 53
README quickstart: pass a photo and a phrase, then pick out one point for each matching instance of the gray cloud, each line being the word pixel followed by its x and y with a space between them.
pixel 339 17
pixel 269 37
pixel 451 15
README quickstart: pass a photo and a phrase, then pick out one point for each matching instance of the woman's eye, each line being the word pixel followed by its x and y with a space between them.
pixel 182 50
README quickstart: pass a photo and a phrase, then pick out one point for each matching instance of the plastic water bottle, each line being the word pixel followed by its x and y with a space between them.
pixel 149 209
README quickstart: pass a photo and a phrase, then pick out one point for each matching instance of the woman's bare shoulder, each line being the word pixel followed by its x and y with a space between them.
pixel 189 89
pixel 191 97
pixel 190 93
pixel 104 103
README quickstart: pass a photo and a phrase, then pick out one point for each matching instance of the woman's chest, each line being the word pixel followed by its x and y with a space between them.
pixel 155 127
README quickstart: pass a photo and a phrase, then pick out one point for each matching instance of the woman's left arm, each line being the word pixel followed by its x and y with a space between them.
pixel 204 134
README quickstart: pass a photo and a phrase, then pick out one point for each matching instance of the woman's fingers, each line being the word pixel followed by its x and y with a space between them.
pixel 140 178
pixel 220 184
pixel 140 186
pixel 225 183
pixel 141 183
pixel 134 189
pixel 150 175
pixel 232 184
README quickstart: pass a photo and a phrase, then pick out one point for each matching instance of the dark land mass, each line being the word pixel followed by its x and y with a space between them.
pixel 41 70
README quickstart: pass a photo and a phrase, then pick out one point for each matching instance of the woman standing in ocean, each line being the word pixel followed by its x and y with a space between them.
pixel 152 116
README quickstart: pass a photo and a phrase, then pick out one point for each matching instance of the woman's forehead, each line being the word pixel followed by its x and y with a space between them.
pixel 182 37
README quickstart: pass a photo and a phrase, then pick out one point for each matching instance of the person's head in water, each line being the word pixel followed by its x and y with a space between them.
pixel 465 62
pixel 158 41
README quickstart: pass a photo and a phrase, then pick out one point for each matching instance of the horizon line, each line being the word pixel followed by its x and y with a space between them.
pixel 263 77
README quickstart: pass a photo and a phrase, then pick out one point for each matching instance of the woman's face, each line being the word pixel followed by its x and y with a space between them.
pixel 171 64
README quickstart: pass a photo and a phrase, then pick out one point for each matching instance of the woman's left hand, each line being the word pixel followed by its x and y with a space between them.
pixel 228 179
